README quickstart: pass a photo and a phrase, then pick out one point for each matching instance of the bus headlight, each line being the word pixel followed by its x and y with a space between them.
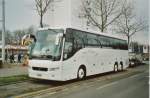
pixel 53 69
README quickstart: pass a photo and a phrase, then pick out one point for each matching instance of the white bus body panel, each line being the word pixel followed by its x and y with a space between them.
pixel 96 61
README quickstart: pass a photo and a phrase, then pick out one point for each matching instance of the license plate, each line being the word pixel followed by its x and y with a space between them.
pixel 39 75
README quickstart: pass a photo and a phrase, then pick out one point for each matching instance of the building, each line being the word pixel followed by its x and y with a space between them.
pixel 146 50
pixel 140 52
pixel 15 49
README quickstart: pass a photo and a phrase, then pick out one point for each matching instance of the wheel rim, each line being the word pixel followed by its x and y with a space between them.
pixel 115 68
pixel 81 73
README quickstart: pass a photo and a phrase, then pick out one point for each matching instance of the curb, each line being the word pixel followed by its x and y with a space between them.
pixel 32 94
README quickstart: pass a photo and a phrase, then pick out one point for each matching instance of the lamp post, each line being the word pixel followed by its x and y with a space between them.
pixel 3 31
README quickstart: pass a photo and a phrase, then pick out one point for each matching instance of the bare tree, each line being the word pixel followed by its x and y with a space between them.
pixel 18 34
pixel 30 30
pixel 128 23
pixel 101 13
pixel 41 8
pixel 8 37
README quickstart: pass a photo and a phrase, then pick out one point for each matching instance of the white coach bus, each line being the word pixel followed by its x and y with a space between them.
pixel 65 54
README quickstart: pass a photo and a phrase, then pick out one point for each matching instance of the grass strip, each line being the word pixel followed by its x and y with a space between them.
pixel 12 79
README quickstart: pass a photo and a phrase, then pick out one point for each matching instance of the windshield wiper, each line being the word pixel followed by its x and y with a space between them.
pixel 54 30
pixel 42 56
pixel 47 56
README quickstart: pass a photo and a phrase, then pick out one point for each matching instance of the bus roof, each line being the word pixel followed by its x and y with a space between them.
pixel 88 31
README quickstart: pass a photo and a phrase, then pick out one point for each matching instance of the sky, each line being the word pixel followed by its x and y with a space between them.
pixel 142 11
pixel 21 14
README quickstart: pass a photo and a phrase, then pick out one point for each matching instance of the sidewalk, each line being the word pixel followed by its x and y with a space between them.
pixel 13 71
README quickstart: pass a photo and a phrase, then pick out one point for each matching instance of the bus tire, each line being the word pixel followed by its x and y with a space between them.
pixel 81 73
pixel 121 64
pixel 116 67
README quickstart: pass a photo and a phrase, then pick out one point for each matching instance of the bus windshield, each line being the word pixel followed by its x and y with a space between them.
pixel 48 45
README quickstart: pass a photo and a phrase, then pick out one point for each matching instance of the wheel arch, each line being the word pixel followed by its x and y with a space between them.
pixel 84 68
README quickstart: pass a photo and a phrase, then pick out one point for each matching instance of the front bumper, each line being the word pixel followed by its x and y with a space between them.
pixel 46 75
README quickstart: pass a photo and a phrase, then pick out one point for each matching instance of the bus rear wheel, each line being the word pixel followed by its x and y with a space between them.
pixel 116 67
pixel 121 64
pixel 81 73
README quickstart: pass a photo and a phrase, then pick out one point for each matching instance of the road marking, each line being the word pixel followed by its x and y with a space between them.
pixel 88 86
pixel 52 93
pixel 110 84
pixel 37 92
pixel 66 89
pixel 45 95
pixel 75 86
pixel 104 86
pixel 100 79
pixel 134 76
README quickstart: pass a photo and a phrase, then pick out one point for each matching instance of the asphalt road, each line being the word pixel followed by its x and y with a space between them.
pixel 135 86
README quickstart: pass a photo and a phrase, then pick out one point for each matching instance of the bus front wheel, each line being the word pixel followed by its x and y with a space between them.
pixel 81 73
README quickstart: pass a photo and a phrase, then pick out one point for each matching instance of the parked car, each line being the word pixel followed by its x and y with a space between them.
pixel 134 62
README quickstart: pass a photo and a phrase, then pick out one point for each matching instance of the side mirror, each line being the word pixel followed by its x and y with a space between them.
pixel 65 55
pixel 28 39
pixel 58 38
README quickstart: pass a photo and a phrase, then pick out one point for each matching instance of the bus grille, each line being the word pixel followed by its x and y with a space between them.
pixel 40 69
